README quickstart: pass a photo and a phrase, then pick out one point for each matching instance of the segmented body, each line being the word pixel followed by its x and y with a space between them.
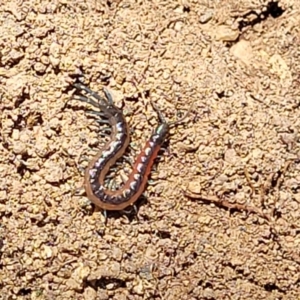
pixel 99 166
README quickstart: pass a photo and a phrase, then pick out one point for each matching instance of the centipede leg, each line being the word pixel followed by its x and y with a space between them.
pixel 103 134
pixel 81 169
pixel 129 160
pixel 81 158
pixel 132 210
pixel 105 217
pixel 101 121
pixel 106 129
pixel 135 210
pixel 97 113
pixel 167 149
pixel 87 100
pixel 78 191
pixel 112 184
pixel 124 179
pixel 108 95
pixel 127 210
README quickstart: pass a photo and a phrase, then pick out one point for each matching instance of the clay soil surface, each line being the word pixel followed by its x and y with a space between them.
pixel 221 216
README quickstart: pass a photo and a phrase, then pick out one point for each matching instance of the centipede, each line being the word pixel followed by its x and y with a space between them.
pixel 97 169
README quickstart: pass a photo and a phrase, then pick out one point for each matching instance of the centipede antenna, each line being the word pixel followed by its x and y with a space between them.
pixel 181 119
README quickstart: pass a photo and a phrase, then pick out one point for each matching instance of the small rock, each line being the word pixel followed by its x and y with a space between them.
pixel 16 134
pixel 243 51
pixel 236 261
pixel 221 179
pixel 117 254
pixel 115 269
pixel 89 293
pixel 206 16
pixel 102 256
pixel 73 284
pixel 16 85
pixel 15 55
pixel 55 175
pixel 67 295
pixel 178 26
pixel 288 138
pixel 83 272
pixel 139 288
pixel 194 187
pixel 32 164
pixel 209 293
pixel 280 67
pixel 226 34
pixel 3 195
pixel 231 157
pixel 19 147
pixel 46 252
pixel 42 148
pixel 257 154
pixel 54 61
pixel 110 286
pixel 54 123
pixel 204 220
pixel 39 67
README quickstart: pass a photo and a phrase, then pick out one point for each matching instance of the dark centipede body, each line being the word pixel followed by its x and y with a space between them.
pixel 99 166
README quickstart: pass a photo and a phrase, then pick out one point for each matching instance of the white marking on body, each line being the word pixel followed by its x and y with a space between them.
pixel 99 162
pixel 92 172
pixel 119 136
pixel 143 159
pixel 105 198
pixel 106 153
pixel 140 167
pixel 137 176
pixel 148 151
pixel 119 127
pixel 151 144
pixel 126 193
pixel 155 138
pixel 114 145
pixel 100 189
pixel 133 185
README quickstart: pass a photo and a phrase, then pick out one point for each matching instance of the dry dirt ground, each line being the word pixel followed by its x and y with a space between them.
pixel 222 215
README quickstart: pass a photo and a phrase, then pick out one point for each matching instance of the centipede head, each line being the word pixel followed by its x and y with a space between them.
pixel 162 118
